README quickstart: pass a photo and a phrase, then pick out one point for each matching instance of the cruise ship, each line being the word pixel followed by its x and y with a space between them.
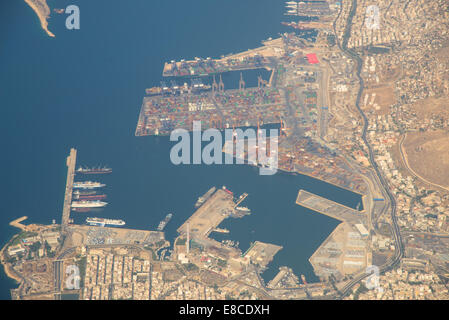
pixel 88 185
pixel 102 222
pixel 88 204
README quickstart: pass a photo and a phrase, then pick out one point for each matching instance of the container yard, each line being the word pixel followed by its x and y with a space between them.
pixel 225 109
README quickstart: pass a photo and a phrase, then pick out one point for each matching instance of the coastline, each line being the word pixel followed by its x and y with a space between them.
pixel 43 13
pixel 9 273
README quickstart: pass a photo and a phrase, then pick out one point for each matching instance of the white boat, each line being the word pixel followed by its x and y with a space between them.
pixel 102 222
pixel 88 185
pixel 88 204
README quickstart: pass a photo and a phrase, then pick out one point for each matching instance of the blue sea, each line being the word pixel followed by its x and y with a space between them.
pixel 84 89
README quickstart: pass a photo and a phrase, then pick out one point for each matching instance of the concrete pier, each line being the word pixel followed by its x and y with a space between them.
pixel 328 207
pixel 71 163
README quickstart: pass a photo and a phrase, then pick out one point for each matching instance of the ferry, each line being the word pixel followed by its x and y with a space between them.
pixel 93 170
pixel 88 204
pixel 164 222
pixel 243 210
pixel 102 222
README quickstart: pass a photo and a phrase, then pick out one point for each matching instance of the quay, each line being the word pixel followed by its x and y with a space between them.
pixel 261 57
pixel 71 163
pixel 328 207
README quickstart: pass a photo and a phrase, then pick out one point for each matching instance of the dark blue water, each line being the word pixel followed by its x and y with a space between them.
pixel 84 89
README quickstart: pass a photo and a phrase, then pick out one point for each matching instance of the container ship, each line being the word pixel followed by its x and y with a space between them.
pixel 164 222
pixel 102 222
pixel 204 198
pixel 88 204
pixel 88 185
pixel 93 170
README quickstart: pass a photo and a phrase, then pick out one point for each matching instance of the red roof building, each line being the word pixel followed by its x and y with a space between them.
pixel 311 57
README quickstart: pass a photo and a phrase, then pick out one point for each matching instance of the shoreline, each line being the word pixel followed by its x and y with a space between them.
pixel 43 16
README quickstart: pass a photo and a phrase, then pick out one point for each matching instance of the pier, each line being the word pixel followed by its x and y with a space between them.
pixel 71 163
pixel 240 200
pixel 328 207
pixel 217 208
pixel 17 223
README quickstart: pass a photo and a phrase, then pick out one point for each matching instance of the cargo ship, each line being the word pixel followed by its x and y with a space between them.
pixel 88 204
pixel 89 197
pixel 81 209
pixel 102 222
pixel 93 170
pixel 204 198
pixel 164 222
pixel 88 185
pixel 84 193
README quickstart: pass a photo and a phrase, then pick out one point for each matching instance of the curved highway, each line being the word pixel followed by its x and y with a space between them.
pixel 399 253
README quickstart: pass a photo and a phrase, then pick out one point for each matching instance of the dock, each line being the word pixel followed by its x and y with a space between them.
pixel 240 200
pixel 328 207
pixel 262 253
pixel 71 163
